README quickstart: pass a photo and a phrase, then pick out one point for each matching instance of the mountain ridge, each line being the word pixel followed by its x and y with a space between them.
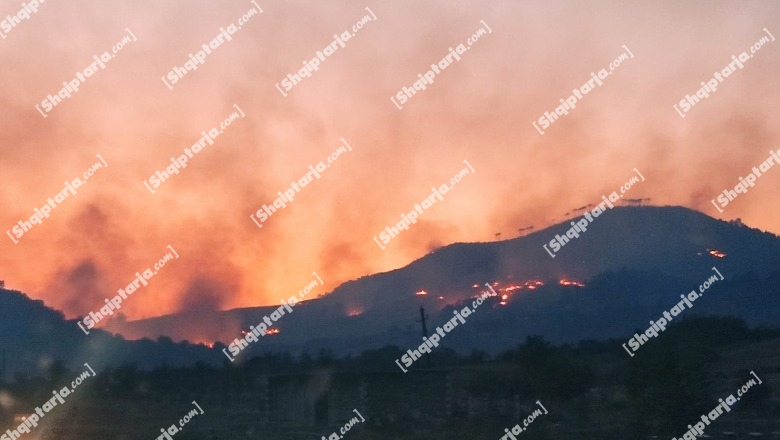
pixel 611 291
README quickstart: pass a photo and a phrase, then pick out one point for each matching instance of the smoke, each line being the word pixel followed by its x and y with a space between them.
pixel 479 109
pixel 204 294
pixel 81 287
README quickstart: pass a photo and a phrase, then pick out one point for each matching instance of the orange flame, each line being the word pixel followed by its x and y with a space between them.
pixel 716 253
pixel 421 293
pixel 565 282
pixel 533 284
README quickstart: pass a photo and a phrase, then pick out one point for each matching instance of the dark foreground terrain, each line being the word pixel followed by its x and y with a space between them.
pixel 592 390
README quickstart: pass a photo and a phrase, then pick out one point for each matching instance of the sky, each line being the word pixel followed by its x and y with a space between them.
pixel 479 109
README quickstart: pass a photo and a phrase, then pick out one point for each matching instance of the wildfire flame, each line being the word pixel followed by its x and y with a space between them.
pixel 421 293
pixel 716 253
pixel 354 312
pixel 565 282
pixel 533 284
pixel 273 331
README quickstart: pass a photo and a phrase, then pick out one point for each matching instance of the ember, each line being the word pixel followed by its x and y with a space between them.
pixel 716 253
pixel 533 284
pixel 565 282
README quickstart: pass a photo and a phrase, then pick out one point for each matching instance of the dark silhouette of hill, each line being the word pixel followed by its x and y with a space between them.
pixel 635 263
pixel 34 336
pixel 637 260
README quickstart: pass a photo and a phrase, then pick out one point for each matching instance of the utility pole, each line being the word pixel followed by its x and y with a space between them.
pixel 423 317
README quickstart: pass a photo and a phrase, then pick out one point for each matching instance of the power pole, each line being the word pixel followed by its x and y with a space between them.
pixel 423 317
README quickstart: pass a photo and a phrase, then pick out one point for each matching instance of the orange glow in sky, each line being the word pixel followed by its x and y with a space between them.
pixel 479 109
